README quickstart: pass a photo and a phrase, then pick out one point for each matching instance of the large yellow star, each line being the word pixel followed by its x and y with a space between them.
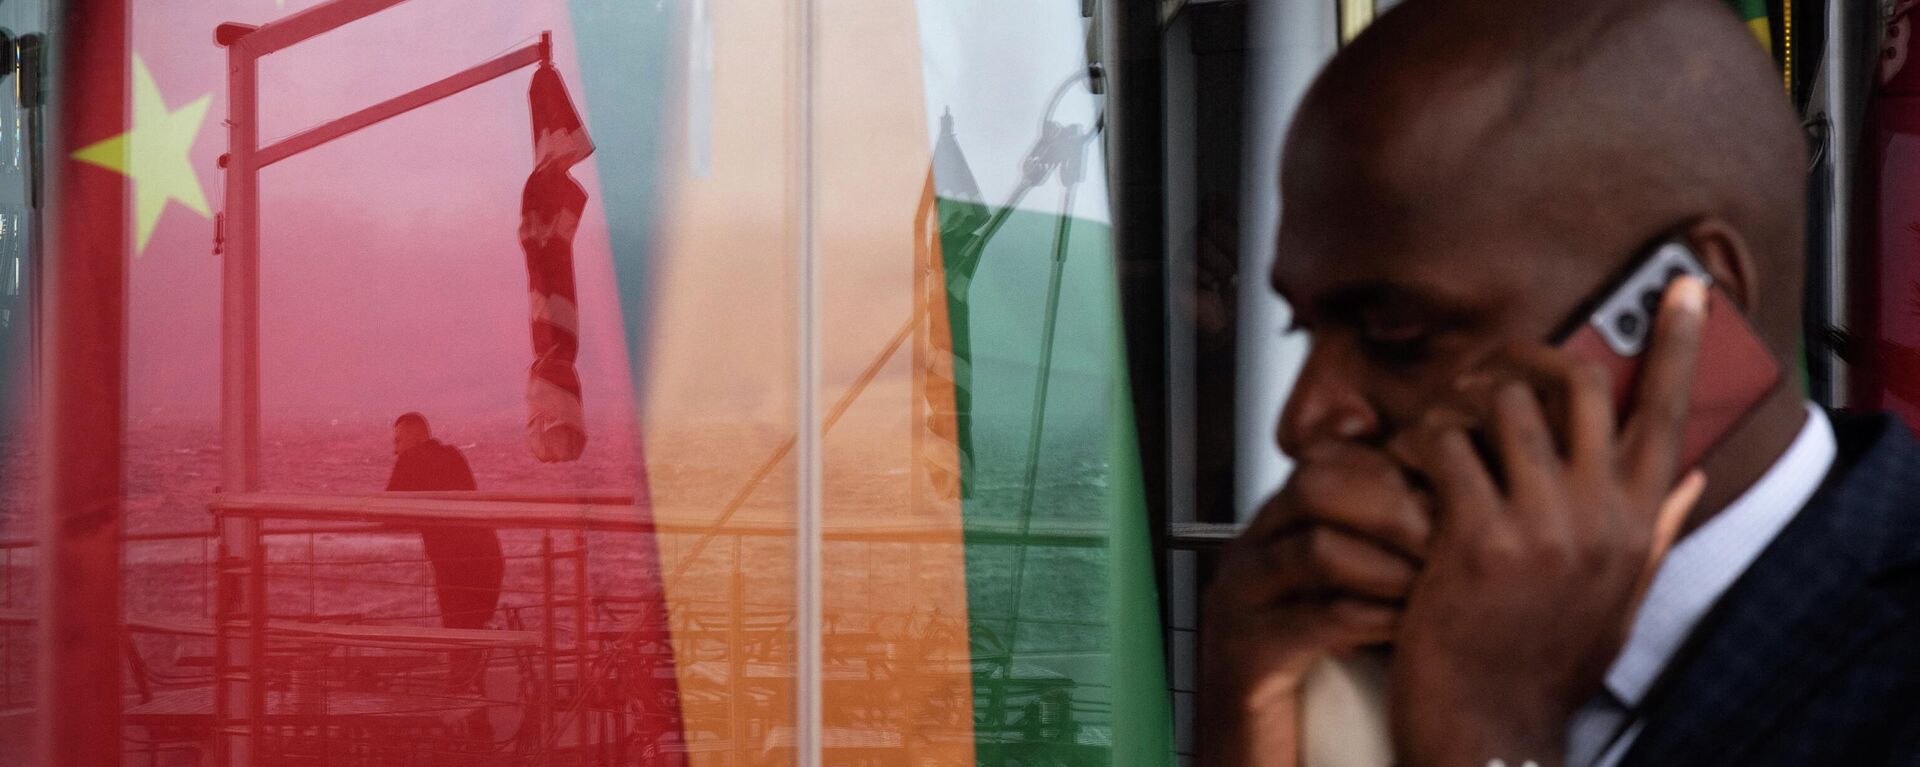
pixel 154 155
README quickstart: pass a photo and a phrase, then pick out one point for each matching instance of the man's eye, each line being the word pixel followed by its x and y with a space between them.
pixel 1395 345
pixel 1385 333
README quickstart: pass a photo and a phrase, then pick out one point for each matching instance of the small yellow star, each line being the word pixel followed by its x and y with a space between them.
pixel 154 155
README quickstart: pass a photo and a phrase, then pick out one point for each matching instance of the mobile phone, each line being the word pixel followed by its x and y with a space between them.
pixel 1735 372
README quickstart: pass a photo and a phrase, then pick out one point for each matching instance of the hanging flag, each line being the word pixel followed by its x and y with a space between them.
pixel 951 333
pixel 940 380
pixel 550 209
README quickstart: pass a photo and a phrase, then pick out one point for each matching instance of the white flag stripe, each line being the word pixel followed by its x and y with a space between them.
pixel 541 230
pixel 552 406
pixel 555 310
pixel 996 76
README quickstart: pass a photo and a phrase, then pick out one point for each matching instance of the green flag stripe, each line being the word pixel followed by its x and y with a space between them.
pixel 1064 624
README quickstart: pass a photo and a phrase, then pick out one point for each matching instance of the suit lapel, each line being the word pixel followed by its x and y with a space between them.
pixel 1805 607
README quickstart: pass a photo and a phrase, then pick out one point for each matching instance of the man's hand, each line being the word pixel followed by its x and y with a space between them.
pixel 1322 569
pixel 1538 562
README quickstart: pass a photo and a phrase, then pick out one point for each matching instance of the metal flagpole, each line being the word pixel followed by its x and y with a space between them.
pixel 1062 225
pixel 1063 147
pixel 233 742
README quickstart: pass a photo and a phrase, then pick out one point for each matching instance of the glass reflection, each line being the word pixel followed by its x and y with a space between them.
pixel 19 274
pixel 509 475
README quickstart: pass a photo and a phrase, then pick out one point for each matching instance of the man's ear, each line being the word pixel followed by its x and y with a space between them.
pixel 1726 257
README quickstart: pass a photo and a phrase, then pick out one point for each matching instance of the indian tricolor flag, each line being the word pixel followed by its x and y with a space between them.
pixel 988 591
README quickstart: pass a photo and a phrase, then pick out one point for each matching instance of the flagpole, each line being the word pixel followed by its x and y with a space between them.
pixel 238 703
pixel 1063 147
pixel 1062 225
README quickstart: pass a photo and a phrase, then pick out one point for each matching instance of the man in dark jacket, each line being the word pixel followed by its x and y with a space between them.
pixel 467 561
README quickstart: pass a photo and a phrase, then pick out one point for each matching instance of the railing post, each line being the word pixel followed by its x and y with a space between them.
pixel 224 582
pixel 737 659
pixel 580 636
pixel 549 647
pixel 257 615
pixel 6 643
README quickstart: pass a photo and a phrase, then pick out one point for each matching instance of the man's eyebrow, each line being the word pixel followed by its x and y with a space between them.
pixel 1342 300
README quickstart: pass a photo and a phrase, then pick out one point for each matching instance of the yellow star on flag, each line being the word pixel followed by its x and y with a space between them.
pixel 154 155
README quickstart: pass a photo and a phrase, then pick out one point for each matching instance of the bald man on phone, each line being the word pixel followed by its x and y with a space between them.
pixel 1460 180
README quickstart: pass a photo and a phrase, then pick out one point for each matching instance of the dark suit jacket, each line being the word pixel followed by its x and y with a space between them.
pixel 1813 657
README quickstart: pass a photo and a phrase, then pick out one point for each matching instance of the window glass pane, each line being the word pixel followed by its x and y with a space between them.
pixel 464 385
pixel 406 280
pixel 989 590
pixel 20 265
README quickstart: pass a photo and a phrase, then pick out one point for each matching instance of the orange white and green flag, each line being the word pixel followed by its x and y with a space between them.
pixel 981 502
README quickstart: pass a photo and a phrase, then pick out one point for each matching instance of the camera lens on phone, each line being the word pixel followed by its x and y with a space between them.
pixel 1628 323
pixel 1650 301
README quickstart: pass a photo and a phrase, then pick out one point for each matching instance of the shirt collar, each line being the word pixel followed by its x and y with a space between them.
pixel 1700 568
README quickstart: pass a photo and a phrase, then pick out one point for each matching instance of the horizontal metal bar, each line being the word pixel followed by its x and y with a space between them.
pixel 1201 536
pixel 27 543
pixel 396 106
pixel 986 537
pixel 612 497
pixel 501 515
pixel 596 517
pixel 310 23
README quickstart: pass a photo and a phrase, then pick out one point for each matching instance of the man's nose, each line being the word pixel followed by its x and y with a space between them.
pixel 1327 403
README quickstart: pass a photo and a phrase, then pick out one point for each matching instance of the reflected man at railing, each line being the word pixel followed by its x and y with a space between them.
pixel 467 560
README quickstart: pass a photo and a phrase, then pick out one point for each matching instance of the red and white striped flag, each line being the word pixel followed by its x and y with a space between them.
pixel 550 210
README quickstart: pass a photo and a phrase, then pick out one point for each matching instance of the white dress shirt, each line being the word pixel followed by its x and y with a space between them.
pixel 1698 570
